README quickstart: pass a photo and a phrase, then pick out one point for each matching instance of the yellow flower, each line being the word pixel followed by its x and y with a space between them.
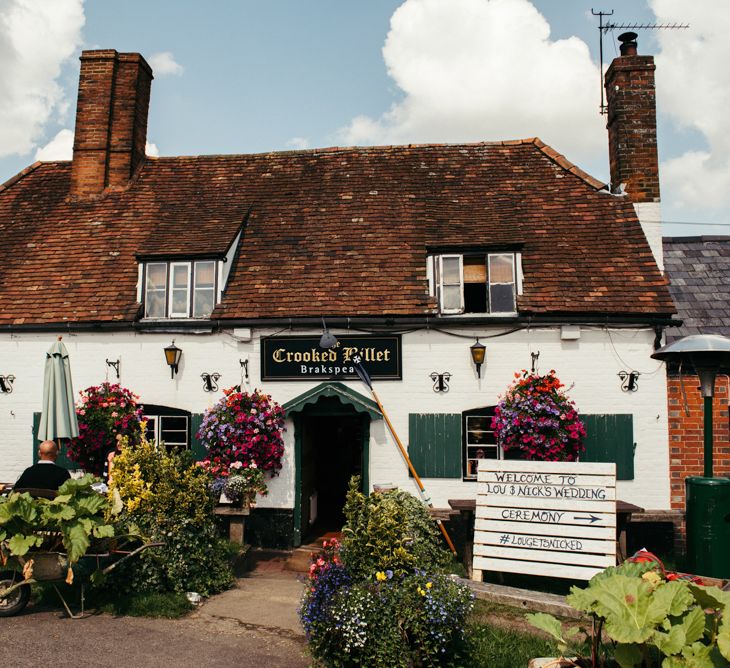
pixel 422 592
pixel 380 576
pixel 429 585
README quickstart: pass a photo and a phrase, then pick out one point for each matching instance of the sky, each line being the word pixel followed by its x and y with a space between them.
pixel 252 76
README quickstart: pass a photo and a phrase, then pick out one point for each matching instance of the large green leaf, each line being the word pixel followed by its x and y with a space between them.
pixel 54 514
pixel 90 505
pixel 671 598
pixel 628 656
pixel 626 605
pixel 76 541
pixel 103 531
pixel 710 597
pixel 672 642
pixel 723 639
pixel 20 544
pixel 547 623
pixel 694 625
pixel 18 507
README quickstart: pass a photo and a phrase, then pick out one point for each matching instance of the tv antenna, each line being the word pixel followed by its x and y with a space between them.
pixel 603 28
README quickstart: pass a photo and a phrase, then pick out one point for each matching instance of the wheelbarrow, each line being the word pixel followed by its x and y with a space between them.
pixel 17 576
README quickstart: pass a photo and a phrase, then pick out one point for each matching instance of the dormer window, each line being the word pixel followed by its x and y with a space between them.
pixel 180 289
pixel 466 283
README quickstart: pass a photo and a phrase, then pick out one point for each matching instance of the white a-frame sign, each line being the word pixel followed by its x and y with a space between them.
pixel 545 518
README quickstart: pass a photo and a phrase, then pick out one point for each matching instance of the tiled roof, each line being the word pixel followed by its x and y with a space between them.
pixel 698 269
pixel 329 232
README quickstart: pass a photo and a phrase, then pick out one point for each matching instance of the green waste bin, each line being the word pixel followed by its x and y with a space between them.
pixel 708 526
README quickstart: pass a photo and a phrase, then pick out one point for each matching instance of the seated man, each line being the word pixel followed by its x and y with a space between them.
pixel 46 474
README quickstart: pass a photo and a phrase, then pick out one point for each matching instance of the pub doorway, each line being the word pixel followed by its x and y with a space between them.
pixel 333 449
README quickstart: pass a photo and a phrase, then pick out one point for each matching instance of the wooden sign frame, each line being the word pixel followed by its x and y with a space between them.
pixel 553 519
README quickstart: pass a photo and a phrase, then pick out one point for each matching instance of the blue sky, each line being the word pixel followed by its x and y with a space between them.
pixel 249 76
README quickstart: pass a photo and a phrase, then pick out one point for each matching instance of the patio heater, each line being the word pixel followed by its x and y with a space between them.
pixel 707 497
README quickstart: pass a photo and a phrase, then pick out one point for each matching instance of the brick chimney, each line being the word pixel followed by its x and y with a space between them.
pixel 632 138
pixel 111 121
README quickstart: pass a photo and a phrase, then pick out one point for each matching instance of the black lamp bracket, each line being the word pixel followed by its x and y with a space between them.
pixel 244 368
pixel 629 380
pixel 6 383
pixel 115 365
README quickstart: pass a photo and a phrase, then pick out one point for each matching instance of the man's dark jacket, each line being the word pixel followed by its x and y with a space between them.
pixel 42 476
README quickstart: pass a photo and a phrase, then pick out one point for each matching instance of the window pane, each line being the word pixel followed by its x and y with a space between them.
pixel 155 305
pixel 451 270
pixel 475 270
pixel 204 302
pixel 180 302
pixel 150 429
pixel 501 269
pixel 180 276
pixel 451 297
pixel 204 274
pixel 156 276
pixel 501 298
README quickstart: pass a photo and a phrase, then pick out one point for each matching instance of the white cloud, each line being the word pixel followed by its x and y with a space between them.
pixel 36 38
pixel 59 148
pixel 298 143
pixel 164 63
pixel 693 88
pixel 473 70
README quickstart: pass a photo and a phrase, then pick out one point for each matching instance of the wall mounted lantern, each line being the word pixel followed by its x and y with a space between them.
pixel 6 383
pixel 172 357
pixel 478 352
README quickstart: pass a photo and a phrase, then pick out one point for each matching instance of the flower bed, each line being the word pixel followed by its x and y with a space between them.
pixel 371 601
pixel 105 414
pixel 536 420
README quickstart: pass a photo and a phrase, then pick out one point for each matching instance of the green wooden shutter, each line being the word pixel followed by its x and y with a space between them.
pixel 434 444
pixel 62 460
pixel 199 451
pixel 610 438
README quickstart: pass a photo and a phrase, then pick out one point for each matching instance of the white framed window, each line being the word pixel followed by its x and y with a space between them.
pixel 475 282
pixel 181 289
pixel 168 427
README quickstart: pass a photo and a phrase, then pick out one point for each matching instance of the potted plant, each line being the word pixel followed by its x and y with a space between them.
pixel 536 420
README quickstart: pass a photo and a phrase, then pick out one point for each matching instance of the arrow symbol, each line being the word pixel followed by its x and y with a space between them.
pixel 591 518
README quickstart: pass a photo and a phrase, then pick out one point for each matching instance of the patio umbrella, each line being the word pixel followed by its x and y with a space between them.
pixel 58 418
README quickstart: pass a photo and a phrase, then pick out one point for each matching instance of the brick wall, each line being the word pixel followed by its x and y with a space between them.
pixel 686 435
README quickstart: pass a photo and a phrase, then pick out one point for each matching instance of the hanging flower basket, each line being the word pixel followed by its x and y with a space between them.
pixel 537 421
pixel 105 414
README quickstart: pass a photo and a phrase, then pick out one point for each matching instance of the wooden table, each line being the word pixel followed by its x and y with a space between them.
pixel 467 508
pixel 237 517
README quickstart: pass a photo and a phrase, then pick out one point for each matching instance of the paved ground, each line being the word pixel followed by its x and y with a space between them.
pixel 254 624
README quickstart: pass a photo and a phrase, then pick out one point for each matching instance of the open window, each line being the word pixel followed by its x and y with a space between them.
pixel 476 282
pixel 478 439
pixel 180 289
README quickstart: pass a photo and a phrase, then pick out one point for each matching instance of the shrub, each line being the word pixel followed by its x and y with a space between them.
pixel 372 602
pixel 243 428
pixel 537 421
pixel 104 412
pixel 164 495
pixel 390 531
pixel 650 620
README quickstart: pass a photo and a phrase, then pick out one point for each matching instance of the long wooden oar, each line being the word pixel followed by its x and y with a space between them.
pixel 426 498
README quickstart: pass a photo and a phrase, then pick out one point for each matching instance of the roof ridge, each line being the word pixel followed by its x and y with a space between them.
pixel 560 160
pixel 21 174
pixel 342 149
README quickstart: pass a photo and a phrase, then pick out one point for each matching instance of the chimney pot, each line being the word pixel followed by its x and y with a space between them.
pixel 628 43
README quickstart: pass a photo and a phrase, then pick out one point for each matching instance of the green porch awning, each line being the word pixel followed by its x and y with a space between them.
pixel 340 391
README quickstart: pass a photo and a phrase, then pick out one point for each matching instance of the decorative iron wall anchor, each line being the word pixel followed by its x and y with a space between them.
pixel 210 381
pixel 441 381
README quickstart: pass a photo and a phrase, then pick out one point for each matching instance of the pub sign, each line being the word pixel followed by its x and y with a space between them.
pixel 301 358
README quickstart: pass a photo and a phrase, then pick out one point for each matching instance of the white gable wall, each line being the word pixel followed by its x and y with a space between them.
pixel 591 364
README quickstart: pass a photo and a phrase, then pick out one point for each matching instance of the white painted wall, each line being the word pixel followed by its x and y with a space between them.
pixel 650 217
pixel 590 363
